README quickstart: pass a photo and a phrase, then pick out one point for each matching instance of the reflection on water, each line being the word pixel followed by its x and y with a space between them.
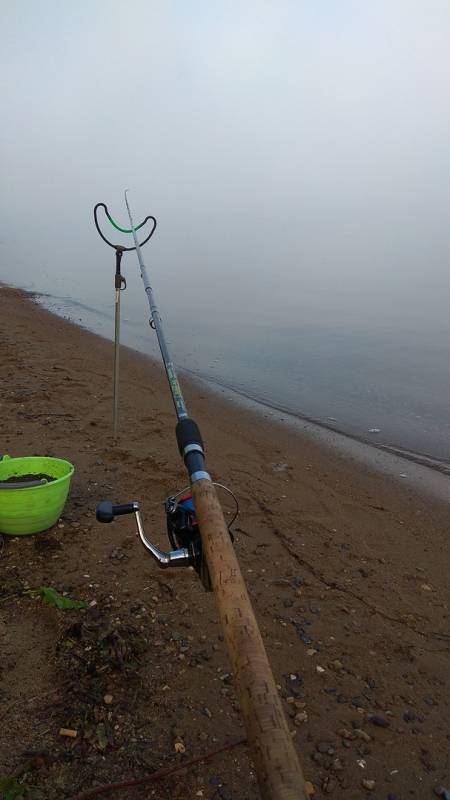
pixel 383 382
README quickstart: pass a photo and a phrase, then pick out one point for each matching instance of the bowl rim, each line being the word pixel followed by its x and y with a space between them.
pixel 68 475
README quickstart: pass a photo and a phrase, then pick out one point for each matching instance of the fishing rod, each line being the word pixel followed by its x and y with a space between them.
pixel 196 525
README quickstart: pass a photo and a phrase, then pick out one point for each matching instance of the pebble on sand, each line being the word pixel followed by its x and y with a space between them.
pixel 381 722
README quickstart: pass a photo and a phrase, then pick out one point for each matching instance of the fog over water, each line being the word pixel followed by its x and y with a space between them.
pixel 297 158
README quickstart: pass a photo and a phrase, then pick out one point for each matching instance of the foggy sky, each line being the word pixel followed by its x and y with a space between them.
pixel 286 148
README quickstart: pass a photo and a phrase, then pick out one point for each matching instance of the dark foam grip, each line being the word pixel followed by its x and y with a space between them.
pixel 187 432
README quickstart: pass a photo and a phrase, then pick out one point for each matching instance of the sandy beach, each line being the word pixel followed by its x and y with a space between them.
pixel 347 570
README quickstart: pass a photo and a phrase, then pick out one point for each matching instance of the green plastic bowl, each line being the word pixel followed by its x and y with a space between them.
pixel 36 508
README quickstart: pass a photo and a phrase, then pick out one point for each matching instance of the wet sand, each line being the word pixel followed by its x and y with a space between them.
pixel 347 570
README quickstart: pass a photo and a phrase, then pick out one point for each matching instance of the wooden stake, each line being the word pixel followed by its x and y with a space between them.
pixel 277 766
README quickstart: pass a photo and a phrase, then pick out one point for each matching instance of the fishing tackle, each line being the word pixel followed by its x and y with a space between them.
pixel 201 538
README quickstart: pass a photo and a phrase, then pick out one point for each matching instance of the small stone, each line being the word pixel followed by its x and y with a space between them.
pixel 363 735
pixel 363 572
pixel 329 784
pixel 207 712
pixel 203 736
pixel 368 784
pixel 382 722
pixel 180 747
pixel 301 717
pixel 294 683
pixel 280 467
pixel 107 699
pixel 320 670
pixel 325 747
pixel 337 665
pixel 309 788
pixel 311 652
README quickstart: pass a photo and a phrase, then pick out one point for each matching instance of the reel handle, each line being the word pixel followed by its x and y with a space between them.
pixel 182 557
pixel 106 511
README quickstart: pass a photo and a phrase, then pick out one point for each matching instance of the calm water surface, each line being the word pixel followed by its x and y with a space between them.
pixel 378 371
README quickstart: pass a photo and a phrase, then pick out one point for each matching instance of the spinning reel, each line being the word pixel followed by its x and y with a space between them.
pixel 182 530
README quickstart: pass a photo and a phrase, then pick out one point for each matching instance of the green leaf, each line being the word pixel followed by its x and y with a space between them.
pixel 52 598
pixel 10 789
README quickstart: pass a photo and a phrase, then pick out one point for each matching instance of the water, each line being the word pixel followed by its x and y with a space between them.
pixel 298 164
pixel 377 375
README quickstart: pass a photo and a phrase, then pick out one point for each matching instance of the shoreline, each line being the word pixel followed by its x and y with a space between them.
pixel 423 472
pixel 346 568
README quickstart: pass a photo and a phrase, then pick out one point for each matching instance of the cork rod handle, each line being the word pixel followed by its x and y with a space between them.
pixel 277 766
